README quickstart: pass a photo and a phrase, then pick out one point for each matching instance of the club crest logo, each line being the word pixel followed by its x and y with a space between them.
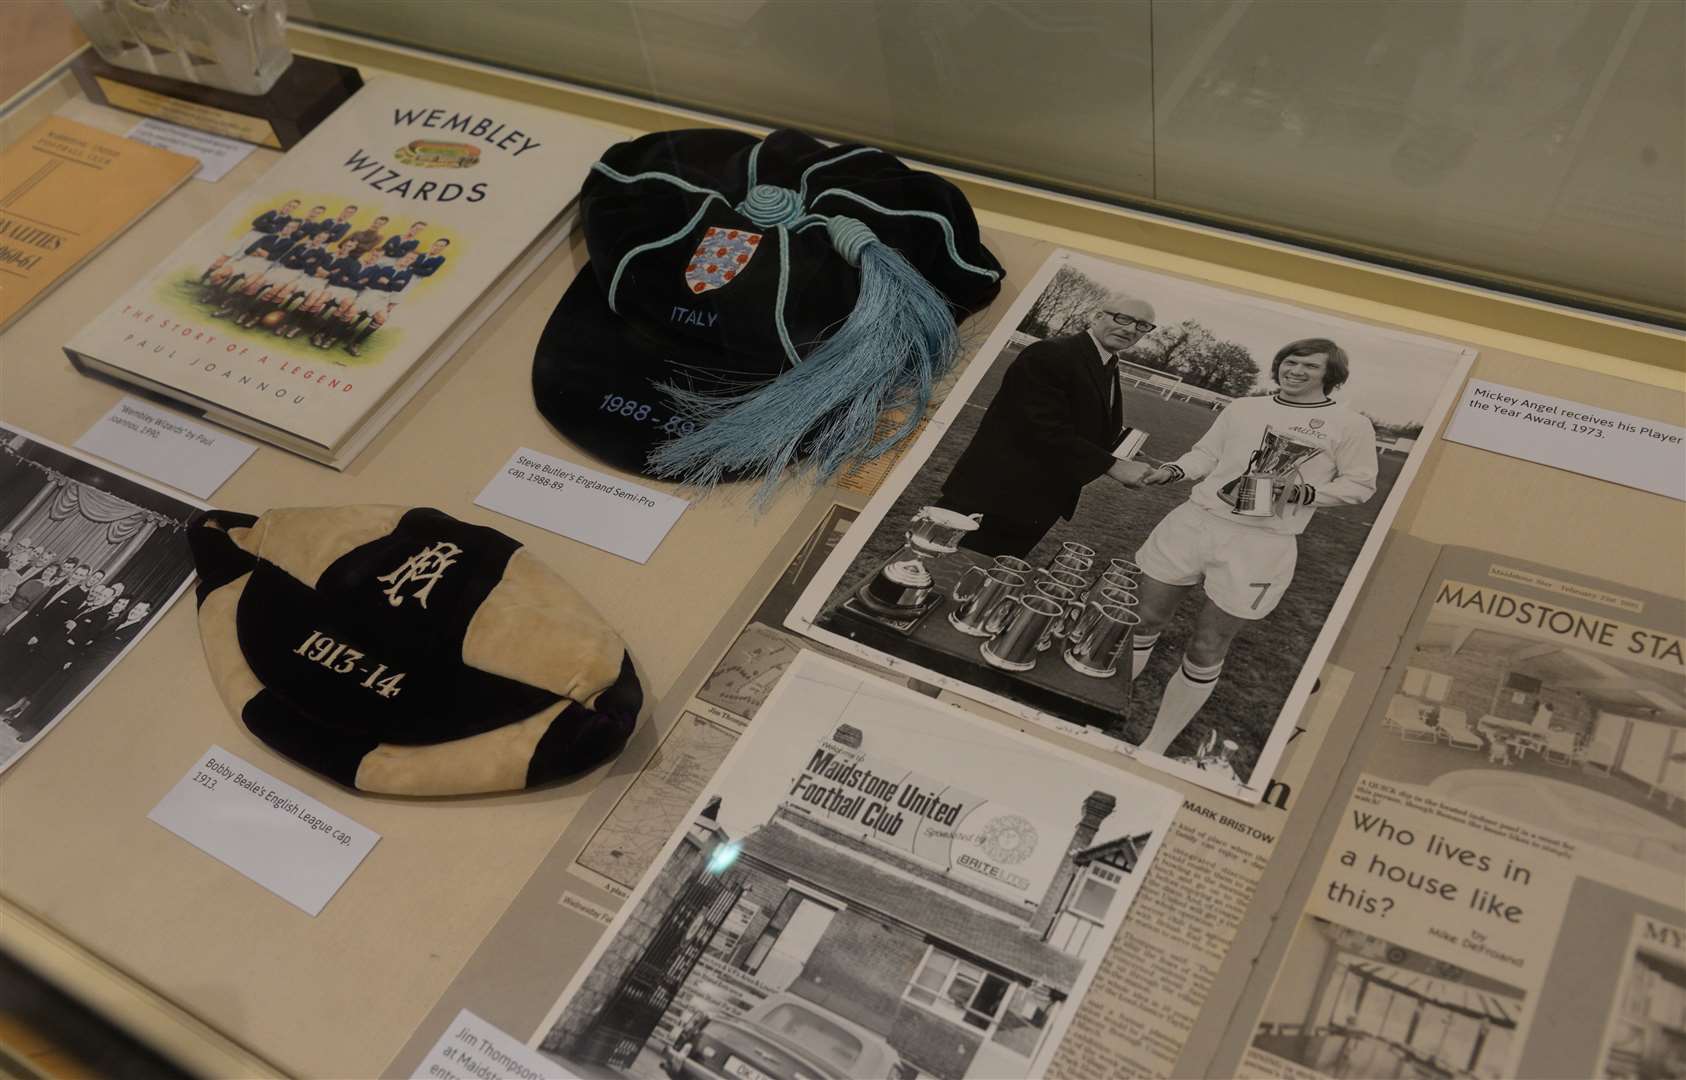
pixel 1008 839
pixel 425 567
pixel 720 258
pixel 1315 424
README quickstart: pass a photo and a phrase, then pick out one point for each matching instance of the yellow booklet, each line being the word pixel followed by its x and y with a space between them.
pixel 66 190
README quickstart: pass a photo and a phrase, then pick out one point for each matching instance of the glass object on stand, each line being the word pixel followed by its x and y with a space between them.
pixel 235 45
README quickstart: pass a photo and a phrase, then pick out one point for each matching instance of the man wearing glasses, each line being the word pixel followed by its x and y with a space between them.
pixel 1050 430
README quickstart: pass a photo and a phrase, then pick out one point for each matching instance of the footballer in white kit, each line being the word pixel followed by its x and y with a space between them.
pixel 1244 564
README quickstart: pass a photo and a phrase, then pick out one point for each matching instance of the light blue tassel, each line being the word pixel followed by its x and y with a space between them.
pixel 898 341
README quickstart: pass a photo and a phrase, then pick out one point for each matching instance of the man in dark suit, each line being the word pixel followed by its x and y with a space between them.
pixel 89 648
pixel 1050 430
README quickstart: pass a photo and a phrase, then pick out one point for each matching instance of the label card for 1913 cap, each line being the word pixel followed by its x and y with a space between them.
pixel 596 508
pixel 268 830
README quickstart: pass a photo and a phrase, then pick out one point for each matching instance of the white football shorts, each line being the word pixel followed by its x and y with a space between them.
pixel 1245 570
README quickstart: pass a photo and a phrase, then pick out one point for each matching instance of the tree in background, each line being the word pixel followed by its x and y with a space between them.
pixel 1192 351
pixel 1066 306
pixel 1391 430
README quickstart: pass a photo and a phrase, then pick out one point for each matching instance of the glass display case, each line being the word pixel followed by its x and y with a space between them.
pixel 1506 180
pixel 1538 151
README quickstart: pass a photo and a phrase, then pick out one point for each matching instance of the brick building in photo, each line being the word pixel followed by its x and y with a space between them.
pixel 958 979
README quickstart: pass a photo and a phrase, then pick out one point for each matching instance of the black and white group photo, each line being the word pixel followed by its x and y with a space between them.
pixel 1142 514
pixel 873 886
pixel 324 271
pixel 88 561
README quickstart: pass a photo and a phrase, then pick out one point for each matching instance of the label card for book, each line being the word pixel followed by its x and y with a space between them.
pixel 157 443
pixel 216 154
pixel 270 831
pixel 1624 449
pixel 610 514
pixel 472 1049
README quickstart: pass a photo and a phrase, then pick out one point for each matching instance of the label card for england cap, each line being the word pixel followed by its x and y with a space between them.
pixel 158 443
pixel 596 508
pixel 268 830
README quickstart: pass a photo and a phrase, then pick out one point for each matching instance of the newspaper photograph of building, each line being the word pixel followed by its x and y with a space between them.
pixel 1647 1030
pixel 874 885
pixel 1348 1004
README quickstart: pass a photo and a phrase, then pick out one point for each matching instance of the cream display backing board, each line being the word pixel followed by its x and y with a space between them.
pixel 339 994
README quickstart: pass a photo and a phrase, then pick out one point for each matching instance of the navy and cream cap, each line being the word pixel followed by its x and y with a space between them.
pixel 405 652
pixel 753 301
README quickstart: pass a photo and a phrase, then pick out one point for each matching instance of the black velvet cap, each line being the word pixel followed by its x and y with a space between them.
pixel 404 651
pixel 720 260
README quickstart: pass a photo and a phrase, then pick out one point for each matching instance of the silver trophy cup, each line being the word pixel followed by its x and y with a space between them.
pixel 984 596
pixel 1275 465
pixel 1028 631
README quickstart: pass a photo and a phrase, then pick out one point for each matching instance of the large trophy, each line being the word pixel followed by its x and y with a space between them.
pixel 221 66
pixel 902 591
pixel 1272 471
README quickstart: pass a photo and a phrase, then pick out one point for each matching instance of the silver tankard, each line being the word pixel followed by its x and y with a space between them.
pixel 1073 549
pixel 1113 594
pixel 1077 583
pixel 1099 638
pixel 1028 630
pixel 1071 564
pixel 1066 598
pixel 985 596
pixel 1114 579
pixel 1124 568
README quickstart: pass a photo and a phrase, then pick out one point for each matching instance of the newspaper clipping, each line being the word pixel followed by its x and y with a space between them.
pixel 1503 892
pixel 873 885
pixel 1142 515
pixel 1167 971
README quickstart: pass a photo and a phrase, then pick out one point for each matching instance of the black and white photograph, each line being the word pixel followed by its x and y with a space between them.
pixel 1587 745
pixel 874 885
pixel 1142 515
pixel 89 560
pixel 1647 1030
pixel 1353 1006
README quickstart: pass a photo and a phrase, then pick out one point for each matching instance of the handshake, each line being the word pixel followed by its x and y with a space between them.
pixel 1135 474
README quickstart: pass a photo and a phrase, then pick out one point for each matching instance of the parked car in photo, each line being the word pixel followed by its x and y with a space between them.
pixel 783 1038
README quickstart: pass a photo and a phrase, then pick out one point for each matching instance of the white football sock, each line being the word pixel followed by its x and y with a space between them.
pixel 1185 692
pixel 1141 649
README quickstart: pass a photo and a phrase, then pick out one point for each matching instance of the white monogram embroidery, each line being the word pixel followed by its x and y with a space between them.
pixel 425 565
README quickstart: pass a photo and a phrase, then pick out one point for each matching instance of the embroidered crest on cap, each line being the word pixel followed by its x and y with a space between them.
pixel 426 565
pixel 720 257
pixel 1315 424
